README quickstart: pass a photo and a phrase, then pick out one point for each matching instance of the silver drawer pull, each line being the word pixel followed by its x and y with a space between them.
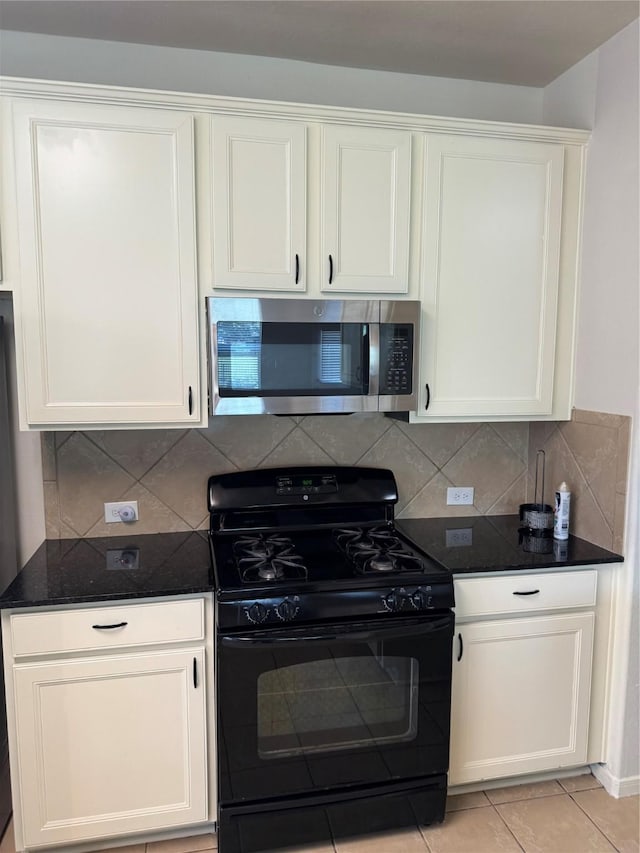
pixel 528 592
pixel 109 627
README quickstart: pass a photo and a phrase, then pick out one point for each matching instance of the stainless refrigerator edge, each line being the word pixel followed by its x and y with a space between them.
pixel 8 557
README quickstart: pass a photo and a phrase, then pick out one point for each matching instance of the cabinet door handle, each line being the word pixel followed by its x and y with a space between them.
pixel 190 400
pixel 426 405
pixel 109 627
pixel 528 592
pixel 330 270
pixel 195 672
pixel 297 269
pixel 460 646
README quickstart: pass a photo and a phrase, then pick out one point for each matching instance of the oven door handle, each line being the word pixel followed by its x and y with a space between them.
pixel 339 633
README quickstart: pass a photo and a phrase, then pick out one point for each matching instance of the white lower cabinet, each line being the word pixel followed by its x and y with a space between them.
pixel 109 744
pixel 522 682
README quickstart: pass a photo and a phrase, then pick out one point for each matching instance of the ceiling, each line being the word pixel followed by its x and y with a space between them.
pixel 524 42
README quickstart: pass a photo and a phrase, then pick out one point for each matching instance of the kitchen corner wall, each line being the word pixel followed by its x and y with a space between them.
pixel 166 470
pixel 591 453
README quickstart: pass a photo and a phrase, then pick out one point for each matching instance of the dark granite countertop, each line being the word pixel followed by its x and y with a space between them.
pixel 491 543
pixel 64 571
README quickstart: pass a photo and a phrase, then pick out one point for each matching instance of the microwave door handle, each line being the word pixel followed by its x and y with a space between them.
pixel 374 359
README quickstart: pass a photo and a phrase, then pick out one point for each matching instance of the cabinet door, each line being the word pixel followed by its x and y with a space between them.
pixel 365 210
pixel 108 319
pixel 259 204
pixel 490 276
pixel 109 746
pixel 520 696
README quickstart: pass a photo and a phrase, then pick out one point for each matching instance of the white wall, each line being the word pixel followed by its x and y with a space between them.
pixel 570 101
pixel 607 372
pixel 202 72
pixel 604 86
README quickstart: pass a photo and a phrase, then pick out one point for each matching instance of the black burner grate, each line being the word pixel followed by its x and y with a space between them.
pixel 270 557
pixel 377 550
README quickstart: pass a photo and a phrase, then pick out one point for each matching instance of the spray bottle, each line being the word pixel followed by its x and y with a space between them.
pixel 561 513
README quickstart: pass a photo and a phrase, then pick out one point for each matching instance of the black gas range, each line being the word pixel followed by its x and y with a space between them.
pixel 334 637
pixel 290 544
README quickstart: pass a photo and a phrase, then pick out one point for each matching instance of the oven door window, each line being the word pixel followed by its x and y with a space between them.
pixel 336 704
pixel 300 359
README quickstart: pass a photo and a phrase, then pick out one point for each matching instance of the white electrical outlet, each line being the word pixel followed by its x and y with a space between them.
pixel 460 496
pixel 121 511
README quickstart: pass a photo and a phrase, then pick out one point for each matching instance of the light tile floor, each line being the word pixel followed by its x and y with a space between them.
pixel 573 815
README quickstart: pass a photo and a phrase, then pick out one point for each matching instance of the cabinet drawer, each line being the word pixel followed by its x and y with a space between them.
pixel 524 593
pixel 86 629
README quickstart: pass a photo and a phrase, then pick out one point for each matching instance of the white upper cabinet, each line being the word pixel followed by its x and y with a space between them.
pixel 491 255
pixel 259 204
pixel 356 210
pixel 366 179
pixel 107 324
pixel 480 221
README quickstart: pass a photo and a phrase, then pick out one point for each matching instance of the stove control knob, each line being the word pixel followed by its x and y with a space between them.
pixel 393 600
pixel 421 599
pixel 286 610
pixel 257 612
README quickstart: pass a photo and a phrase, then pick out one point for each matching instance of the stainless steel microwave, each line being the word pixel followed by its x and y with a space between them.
pixel 307 356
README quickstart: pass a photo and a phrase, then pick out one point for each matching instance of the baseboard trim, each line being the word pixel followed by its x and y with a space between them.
pixel 627 787
pixel 511 781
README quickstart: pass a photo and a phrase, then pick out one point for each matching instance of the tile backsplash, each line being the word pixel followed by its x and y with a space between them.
pixel 591 453
pixel 166 471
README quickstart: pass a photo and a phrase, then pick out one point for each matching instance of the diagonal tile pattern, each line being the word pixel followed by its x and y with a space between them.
pixel 80 465
pixel 136 450
pixel 346 439
pixel 166 470
pixel 247 439
pixel 487 463
pixel 297 449
pixel 591 453
pixel 179 479
pixel 411 467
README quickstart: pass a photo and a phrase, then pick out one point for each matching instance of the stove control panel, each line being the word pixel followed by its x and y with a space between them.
pixel 409 599
pixel 320 606
pixel 270 610
pixel 313 484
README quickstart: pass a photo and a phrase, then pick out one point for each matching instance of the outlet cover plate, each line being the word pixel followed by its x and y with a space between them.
pixel 112 511
pixel 460 496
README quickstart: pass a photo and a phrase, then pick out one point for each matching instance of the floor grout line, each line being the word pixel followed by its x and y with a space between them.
pixel 509 830
pixel 588 816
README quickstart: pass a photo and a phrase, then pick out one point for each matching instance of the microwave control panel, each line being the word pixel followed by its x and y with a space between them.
pixel 396 358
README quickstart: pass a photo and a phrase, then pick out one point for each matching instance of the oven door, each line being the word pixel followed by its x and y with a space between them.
pixel 303 709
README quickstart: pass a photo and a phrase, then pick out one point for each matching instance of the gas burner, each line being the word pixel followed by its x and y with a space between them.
pixel 268 558
pixel 378 549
